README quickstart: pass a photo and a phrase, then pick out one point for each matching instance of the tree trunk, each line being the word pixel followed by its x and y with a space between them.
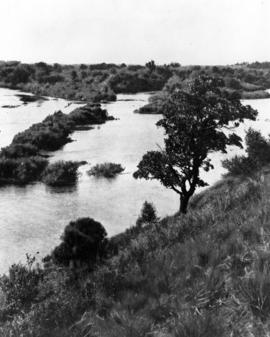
pixel 184 199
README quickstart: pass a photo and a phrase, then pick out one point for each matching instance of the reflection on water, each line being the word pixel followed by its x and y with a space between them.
pixel 32 218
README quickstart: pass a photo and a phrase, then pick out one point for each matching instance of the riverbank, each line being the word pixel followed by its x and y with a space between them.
pixel 195 272
pixel 122 141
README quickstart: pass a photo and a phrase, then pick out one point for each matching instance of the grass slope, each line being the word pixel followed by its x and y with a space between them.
pixel 202 274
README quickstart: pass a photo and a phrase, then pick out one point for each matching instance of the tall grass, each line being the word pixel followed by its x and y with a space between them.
pixel 205 273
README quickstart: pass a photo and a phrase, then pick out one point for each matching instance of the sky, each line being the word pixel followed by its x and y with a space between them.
pixel 135 31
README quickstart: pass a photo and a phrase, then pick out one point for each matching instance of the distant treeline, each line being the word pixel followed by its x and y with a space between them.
pixel 101 82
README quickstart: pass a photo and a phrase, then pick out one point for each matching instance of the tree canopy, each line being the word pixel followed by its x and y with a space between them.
pixel 196 119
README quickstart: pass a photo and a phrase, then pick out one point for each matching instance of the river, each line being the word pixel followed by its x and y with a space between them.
pixel 32 218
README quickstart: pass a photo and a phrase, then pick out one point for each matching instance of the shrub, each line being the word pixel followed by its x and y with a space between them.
pixel 148 214
pixel 48 135
pixel 19 150
pixel 83 241
pixel 258 155
pixel 61 173
pixel 239 166
pixel 21 170
pixel 20 287
pixel 258 148
pixel 107 170
pixel 89 114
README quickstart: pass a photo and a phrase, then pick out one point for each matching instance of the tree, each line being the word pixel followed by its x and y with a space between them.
pixel 195 117
pixel 151 66
pixel 148 214
pixel 74 75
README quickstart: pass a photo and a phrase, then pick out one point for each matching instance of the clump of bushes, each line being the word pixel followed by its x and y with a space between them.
pixel 21 170
pixel 257 156
pixel 61 173
pixel 107 170
pixel 19 151
pixel 89 114
pixel 83 242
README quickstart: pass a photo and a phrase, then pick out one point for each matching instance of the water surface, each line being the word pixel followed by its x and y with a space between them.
pixel 32 218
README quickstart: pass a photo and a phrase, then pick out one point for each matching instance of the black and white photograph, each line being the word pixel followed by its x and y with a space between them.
pixel 134 168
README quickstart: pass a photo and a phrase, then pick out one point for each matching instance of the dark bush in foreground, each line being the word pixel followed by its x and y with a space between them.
pixel 83 241
pixel 61 173
pixel 107 170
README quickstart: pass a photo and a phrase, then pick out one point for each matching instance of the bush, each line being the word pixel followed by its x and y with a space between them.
pixel 240 166
pixel 20 287
pixel 148 214
pixel 89 114
pixel 48 135
pixel 83 241
pixel 61 173
pixel 258 155
pixel 258 148
pixel 19 151
pixel 107 170
pixel 21 170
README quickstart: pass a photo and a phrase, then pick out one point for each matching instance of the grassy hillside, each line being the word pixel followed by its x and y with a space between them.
pixel 202 274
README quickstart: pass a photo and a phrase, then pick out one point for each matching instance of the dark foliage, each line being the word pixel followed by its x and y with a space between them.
pixel 194 121
pixel 148 214
pixel 23 161
pixel 61 173
pixel 20 287
pixel 107 170
pixel 257 156
pixel 83 241
pixel 89 114
pixel 101 82
pixel 48 135
pixel 21 170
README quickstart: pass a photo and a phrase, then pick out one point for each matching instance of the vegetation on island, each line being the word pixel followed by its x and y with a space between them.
pixel 61 173
pixel 24 160
pixel 194 118
pixel 106 170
